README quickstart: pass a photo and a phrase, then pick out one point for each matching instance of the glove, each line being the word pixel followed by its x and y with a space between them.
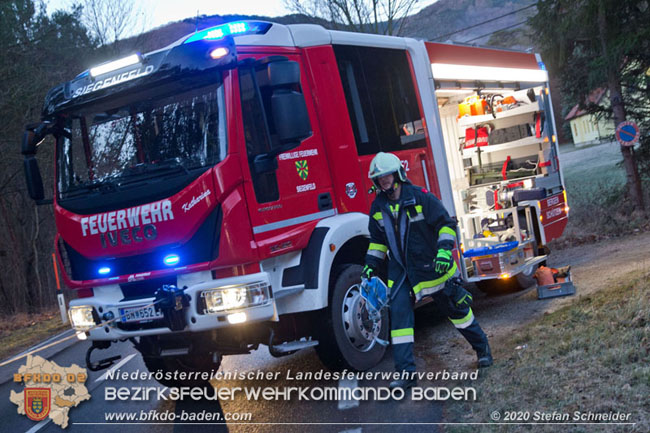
pixel 368 272
pixel 443 261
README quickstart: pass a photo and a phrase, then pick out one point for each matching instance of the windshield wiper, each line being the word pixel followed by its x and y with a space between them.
pixel 103 186
pixel 149 168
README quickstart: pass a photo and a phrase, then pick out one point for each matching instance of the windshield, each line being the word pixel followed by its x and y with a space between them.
pixel 111 149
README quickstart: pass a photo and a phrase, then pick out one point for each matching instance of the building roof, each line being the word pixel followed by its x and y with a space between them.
pixel 594 98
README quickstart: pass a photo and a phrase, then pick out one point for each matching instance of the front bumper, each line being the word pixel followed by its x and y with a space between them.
pixel 108 300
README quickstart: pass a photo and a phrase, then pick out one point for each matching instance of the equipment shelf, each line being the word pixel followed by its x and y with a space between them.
pixel 527 141
pixel 468 121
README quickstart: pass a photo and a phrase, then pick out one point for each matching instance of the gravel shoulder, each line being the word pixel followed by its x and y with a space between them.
pixel 594 267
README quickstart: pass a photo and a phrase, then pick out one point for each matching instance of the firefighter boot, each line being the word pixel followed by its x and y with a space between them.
pixel 403 383
pixel 477 338
pixel 484 358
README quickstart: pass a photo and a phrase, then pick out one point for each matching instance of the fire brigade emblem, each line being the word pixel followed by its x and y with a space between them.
pixel 37 403
pixel 351 189
pixel 303 170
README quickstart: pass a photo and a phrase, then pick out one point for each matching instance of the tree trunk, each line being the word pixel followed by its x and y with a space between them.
pixel 634 189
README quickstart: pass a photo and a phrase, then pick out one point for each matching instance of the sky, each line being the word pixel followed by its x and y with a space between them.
pixel 160 12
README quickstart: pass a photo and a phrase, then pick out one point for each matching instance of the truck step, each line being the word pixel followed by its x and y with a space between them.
pixel 175 352
pixel 292 346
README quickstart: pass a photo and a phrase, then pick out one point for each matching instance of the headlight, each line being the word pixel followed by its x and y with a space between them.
pixel 234 297
pixel 81 317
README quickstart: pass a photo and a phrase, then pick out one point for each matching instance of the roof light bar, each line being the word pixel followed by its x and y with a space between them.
pixel 115 65
pixel 229 29
pixel 443 71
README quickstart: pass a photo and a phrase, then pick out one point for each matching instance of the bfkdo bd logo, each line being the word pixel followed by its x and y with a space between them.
pixel 37 403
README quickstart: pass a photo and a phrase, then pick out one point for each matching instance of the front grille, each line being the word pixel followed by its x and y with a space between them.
pixel 153 324
pixel 202 247
pixel 145 288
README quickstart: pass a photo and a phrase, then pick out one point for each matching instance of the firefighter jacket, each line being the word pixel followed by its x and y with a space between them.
pixel 411 231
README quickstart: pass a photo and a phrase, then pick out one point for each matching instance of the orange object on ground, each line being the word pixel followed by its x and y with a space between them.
pixel 544 276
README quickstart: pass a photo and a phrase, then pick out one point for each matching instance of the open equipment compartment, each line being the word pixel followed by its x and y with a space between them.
pixel 500 142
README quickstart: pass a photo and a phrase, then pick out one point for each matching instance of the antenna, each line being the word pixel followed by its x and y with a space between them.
pixel 196 24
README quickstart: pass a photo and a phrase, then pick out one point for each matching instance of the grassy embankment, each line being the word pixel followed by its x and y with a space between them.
pixel 21 331
pixel 595 187
pixel 593 355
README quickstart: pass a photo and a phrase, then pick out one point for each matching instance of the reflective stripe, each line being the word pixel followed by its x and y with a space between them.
pixel 465 321
pixel 293 221
pixel 378 247
pixel 403 339
pixel 446 231
pixel 434 283
pixel 376 253
pixel 377 216
pixel 401 332
pixel 446 237
pixel 390 283
pixel 463 298
pixel 395 209
pixel 419 216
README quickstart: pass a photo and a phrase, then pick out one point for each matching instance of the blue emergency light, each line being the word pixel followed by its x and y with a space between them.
pixel 236 28
pixel 104 270
pixel 171 259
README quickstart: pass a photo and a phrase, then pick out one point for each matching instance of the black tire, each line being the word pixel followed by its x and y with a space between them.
pixel 526 278
pixel 521 281
pixel 186 363
pixel 498 287
pixel 337 348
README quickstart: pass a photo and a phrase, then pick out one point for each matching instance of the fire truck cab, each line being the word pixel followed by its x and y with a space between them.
pixel 212 196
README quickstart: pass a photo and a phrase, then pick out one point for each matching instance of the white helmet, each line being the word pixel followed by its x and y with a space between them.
pixel 386 163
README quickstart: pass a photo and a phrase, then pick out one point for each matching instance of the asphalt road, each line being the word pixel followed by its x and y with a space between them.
pixel 437 347
pixel 293 414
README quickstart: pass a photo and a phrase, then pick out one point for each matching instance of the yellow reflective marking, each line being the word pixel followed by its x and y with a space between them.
pixel 447 230
pixel 401 332
pixel 465 319
pixel 425 284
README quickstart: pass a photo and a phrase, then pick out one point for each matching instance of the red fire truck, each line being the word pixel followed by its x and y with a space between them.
pixel 212 196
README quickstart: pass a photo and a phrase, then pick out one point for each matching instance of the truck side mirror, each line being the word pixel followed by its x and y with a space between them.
pixel 33 136
pixel 33 178
pixel 288 106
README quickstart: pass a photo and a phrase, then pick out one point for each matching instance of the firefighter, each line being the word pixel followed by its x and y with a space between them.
pixel 412 226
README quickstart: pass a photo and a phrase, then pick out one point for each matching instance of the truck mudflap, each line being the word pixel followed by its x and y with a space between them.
pixel 199 307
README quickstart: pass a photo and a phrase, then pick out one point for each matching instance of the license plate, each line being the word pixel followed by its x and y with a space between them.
pixel 139 314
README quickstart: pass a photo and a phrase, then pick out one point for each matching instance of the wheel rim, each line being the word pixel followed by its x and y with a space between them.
pixel 359 329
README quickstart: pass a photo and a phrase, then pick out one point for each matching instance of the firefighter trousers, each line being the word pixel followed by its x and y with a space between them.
pixel 454 301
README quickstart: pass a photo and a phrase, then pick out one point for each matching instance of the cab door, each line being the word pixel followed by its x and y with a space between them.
pixel 288 197
pixel 385 110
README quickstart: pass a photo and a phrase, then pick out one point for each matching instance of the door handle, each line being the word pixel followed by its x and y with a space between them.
pixel 324 201
pixel 423 163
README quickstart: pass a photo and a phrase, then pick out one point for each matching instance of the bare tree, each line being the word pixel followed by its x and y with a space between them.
pixel 109 21
pixel 367 16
